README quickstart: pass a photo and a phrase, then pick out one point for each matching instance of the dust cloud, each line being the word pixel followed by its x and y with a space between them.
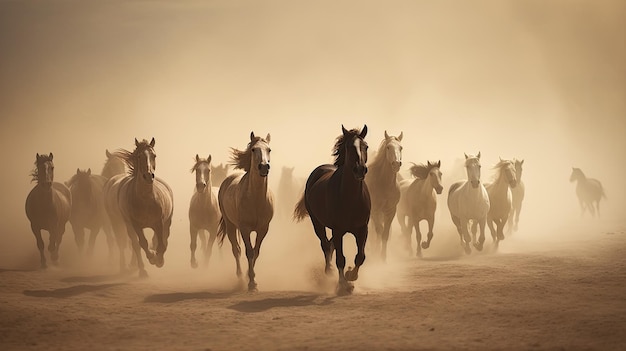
pixel 543 82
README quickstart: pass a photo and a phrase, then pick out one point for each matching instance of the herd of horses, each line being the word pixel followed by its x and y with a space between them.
pixel 348 196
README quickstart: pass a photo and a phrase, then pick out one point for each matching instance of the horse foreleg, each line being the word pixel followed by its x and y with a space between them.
pixel 231 231
pixel 431 224
pixel 93 234
pixel 260 235
pixel 193 234
pixel 79 237
pixel 388 218
pixel 110 240
pixel 466 239
pixel 418 237
pixel 137 254
pixel 56 236
pixel 492 230
pixel 481 238
pixel 40 246
pixel 343 286
pixel 139 241
pixel 208 249
pixel 501 224
pixel 361 239
pixel 245 235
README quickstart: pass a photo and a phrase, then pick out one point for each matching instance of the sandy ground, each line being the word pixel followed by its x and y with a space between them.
pixel 539 291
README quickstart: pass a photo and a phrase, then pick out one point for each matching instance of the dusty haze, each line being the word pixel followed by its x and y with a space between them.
pixel 535 80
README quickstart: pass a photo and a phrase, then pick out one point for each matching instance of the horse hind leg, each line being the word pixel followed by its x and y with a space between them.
pixel 231 232
pixel 327 246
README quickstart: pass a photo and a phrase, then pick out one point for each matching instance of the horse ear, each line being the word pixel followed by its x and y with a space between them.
pixel 521 162
pixel 208 159
pixel 344 130
pixel 77 170
pixel 51 156
pixel 106 152
pixel 88 171
pixel 400 136
pixel 386 135
pixel 500 157
pixel 363 132
pixel 152 142
pixel 197 158
pixel 136 142
pixel 428 164
pixel 268 138
pixel 465 156
pixel 439 164
pixel 37 157
pixel 478 156
pixel 252 136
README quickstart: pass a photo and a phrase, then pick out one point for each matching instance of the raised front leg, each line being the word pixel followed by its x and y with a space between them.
pixel 359 259
pixel 431 224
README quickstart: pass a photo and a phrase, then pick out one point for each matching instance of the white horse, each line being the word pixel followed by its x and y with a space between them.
pixel 468 201
pixel 588 190
pixel 500 199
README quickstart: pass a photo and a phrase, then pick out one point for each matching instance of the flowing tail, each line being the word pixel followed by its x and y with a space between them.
pixel 300 211
pixel 221 231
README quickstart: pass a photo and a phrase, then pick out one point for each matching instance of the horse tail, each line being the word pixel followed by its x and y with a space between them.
pixel 221 231
pixel 300 210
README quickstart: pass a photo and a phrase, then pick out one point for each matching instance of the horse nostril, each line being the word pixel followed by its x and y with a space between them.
pixel 268 166
pixel 152 175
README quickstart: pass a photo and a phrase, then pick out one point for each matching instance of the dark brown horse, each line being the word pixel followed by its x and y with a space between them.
pixel 336 197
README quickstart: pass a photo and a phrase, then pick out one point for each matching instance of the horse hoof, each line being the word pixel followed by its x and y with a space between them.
pixel 329 270
pixel 194 264
pixel 425 245
pixel 345 289
pixel 252 288
pixel 352 275
pixel 418 253
pixel 468 250
pixel 478 246
pixel 143 274
pixel 500 237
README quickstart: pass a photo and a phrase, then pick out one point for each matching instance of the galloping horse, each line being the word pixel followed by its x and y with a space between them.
pixel 383 188
pixel 337 197
pixel 500 198
pixel 113 166
pixel 48 207
pixel 204 212
pixel 517 194
pixel 588 190
pixel 88 210
pixel 247 203
pixel 418 202
pixel 141 200
pixel 468 201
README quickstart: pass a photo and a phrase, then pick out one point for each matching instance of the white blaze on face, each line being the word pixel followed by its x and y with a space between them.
pixel 357 146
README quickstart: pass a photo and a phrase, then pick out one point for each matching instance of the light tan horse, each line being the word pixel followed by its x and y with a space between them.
pixel 141 200
pixel 589 191
pixel 48 207
pixel 204 211
pixel 383 187
pixel 418 202
pixel 247 203
pixel 500 199
pixel 468 202
pixel 218 174
pixel 517 194
pixel 88 210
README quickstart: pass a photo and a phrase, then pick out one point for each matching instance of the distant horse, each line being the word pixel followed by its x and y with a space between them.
pixel 517 194
pixel 113 166
pixel 588 190
pixel 337 197
pixel 468 201
pixel 218 174
pixel 247 203
pixel 500 198
pixel 418 202
pixel 289 189
pixel 141 200
pixel 88 210
pixel 48 207
pixel 204 212
pixel 383 188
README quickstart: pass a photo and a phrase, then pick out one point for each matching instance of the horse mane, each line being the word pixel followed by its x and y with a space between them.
pixel 130 157
pixel 421 171
pixel 340 143
pixel 500 166
pixel 240 159
pixel 34 174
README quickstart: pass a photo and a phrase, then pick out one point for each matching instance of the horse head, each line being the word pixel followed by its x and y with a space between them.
pixel 356 151
pixel 260 152
pixel 202 168
pixel 145 162
pixel 44 173
pixel 518 169
pixel 434 176
pixel 472 165
pixel 509 171
pixel 393 151
pixel 577 174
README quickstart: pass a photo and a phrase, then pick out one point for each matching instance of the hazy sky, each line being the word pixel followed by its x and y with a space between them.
pixel 539 80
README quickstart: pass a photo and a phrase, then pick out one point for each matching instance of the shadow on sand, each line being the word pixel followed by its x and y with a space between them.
pixel 266 304
pixel 69 292
pixel 183 296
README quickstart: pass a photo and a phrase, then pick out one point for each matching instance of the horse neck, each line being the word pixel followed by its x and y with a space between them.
pixel 348 182
pixel 254 184
pixel 140 187
pixel 500 183
pixel 384 175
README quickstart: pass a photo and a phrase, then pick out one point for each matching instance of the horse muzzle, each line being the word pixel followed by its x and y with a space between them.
pixel 395 165
pixel 359 172
pixel 264 169
pixel 513 183
pixel 149 177
pixel 200 187
pixel 439 190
